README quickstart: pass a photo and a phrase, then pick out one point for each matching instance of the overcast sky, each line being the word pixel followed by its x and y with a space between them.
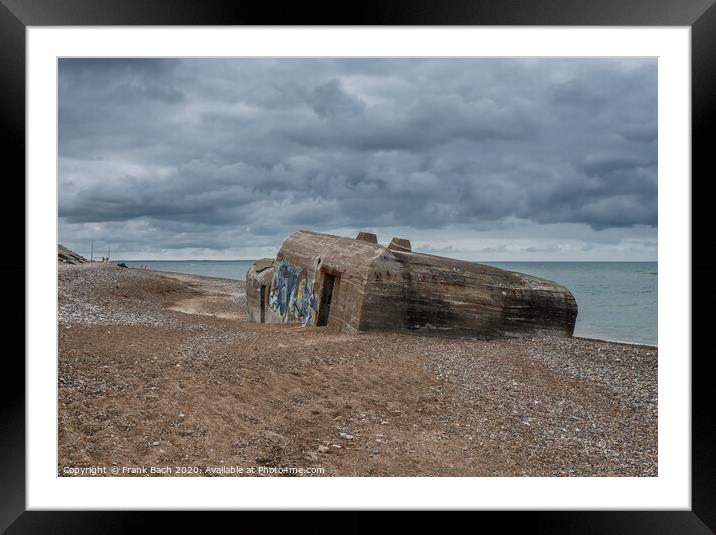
pixel 480 159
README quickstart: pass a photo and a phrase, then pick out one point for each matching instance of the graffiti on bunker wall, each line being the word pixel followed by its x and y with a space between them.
pixel 291 295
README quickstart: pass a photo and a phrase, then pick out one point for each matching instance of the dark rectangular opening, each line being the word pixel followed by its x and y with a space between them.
pixel 263 304
pixel 324 306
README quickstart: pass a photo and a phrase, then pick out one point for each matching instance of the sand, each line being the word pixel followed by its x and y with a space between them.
pixel 162 371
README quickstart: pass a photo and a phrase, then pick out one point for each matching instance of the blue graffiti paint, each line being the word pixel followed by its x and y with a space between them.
pixel 291 295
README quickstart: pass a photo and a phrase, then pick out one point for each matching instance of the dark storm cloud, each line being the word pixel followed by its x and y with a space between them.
pixel 330 101
pixel 196 151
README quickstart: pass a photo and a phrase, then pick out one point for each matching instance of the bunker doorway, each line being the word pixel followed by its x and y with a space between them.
pixel 263 303
pixel 324 307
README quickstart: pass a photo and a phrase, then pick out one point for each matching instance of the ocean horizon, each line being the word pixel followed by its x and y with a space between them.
pixel 616 300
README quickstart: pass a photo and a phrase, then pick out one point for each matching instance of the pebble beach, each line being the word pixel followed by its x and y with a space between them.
pixel 160 369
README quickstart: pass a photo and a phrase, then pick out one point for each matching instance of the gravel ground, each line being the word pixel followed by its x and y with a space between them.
pixel 164 370
pixel 88 294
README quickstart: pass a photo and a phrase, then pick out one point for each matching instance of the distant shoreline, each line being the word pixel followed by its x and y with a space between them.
pixel 622 342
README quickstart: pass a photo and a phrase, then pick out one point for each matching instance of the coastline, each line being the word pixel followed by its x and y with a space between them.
pixel 620 342
pixel 162 368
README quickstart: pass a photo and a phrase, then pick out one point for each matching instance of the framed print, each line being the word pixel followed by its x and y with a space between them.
pixel 435 258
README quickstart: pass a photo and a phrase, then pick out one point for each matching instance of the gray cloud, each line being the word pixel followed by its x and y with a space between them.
pixel 329 101
pixel 228 156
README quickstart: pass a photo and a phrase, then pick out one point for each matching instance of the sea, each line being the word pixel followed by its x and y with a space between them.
pixel 616 300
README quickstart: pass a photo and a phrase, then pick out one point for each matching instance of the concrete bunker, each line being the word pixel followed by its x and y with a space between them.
pixel 258 282
pixel 353 285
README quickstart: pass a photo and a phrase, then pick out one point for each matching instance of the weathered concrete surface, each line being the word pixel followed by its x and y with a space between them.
pixel 259 274
pixel 378 288
pixel 367 236
pixel 304 262
pixel 400 244
pixel 463 298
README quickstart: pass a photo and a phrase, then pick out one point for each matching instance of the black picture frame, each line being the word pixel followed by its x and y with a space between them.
pixel 699 15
